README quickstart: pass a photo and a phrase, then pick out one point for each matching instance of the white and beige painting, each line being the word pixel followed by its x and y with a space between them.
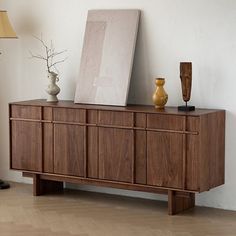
pixel 107 57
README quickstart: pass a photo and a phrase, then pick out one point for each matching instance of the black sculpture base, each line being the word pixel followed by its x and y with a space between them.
pixel 4 185
pixel 186 108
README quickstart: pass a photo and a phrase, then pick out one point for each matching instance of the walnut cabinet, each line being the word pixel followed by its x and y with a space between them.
pixel 134 147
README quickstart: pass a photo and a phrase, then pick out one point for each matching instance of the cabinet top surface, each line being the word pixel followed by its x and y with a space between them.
pixel 128 108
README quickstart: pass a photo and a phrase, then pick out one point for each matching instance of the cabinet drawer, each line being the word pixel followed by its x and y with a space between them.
pixel 47 113
pixel 166 122
pixel 26 112
pixel 69 115
pixel 115 118
pixel 193 124
pixel 140 120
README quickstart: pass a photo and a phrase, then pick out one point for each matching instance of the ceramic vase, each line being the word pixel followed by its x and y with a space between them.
pixel 160 97
pixel 52 88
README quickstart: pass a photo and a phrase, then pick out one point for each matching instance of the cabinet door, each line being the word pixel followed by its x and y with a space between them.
pixel 69 149
pixel 116 154
pixel 165 159
pixel 26 145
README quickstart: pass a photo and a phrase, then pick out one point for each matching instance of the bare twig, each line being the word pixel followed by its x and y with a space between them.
pixel 55 63
pixel 50 55
pixel 38 56
pixel 53 54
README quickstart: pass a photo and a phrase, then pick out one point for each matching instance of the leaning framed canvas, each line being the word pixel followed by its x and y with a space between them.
pixel 107 57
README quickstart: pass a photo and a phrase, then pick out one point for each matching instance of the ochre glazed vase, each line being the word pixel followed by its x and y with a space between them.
pixel 160 97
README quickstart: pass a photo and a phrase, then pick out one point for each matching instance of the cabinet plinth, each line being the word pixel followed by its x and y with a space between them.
pixel 133 147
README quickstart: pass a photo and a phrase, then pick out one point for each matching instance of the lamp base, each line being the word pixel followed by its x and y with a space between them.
pixel 4 185
pixel 186 108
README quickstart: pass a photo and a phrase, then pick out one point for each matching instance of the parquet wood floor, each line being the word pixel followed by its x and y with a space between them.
pixel 91 214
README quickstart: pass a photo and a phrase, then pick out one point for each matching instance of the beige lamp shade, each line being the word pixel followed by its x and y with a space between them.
pixel 6 30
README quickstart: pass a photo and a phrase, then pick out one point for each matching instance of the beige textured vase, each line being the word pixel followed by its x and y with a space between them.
pixel 160 97
pixel 52 88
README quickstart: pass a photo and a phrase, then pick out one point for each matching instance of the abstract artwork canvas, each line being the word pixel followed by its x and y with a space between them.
pixel 107 57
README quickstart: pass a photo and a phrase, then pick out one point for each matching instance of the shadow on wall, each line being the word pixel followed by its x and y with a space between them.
pixel 28 24
pixel 141 85
pixel 8 84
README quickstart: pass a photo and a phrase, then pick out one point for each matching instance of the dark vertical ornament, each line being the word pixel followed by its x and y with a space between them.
pixel 186 83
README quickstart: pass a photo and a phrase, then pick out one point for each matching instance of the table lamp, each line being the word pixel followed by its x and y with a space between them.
pixel 6 31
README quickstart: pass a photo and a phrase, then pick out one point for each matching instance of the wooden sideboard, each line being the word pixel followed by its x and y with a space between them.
pixel 134 147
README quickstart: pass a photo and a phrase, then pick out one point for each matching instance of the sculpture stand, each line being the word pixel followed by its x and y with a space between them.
pixel 4 185
pixel 186 108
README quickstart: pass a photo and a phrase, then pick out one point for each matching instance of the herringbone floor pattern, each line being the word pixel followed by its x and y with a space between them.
pixel 90 214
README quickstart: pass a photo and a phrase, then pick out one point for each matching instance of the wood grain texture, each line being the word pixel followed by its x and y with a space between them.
pixel 92 137
pixel 100 182
pixel 140 157
pixel 212 149
pixel 41 187
pixel 192 154
pixel 192 164
pixel 129 108
pixel 115 118
pixel 36 185
pixel 48 153
pixel 165 122
pixel 193 123
pixel 92 116
pixel 26 141
pixel 115 154
pixel 186 79
pixel 140 120
pixel 69 115
pixel 92 145
pixel 165 159
pixel 26 112
pixel 135 147
pixel 83 213
pixel 217 142
pixel 179 203
pixel 69 149
pixel 47 113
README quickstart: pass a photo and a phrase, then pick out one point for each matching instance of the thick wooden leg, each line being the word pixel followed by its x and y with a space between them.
pixel 36 185
pixel 180 201
pixel 41 187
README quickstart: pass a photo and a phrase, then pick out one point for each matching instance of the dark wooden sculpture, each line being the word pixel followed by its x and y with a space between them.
pixel 186 82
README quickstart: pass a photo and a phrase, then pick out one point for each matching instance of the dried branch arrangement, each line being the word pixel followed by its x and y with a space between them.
pixel 49 57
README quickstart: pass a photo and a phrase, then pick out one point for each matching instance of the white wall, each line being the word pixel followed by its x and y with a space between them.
pixel 170 31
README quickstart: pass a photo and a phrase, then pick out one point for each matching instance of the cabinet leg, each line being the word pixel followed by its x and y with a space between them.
pixel 41 187
pixel 36 185
pixel 180 201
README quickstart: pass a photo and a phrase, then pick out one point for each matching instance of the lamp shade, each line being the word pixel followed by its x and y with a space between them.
pixel 6 30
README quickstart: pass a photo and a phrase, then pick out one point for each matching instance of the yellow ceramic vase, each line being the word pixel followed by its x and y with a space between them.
pixel 160 97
